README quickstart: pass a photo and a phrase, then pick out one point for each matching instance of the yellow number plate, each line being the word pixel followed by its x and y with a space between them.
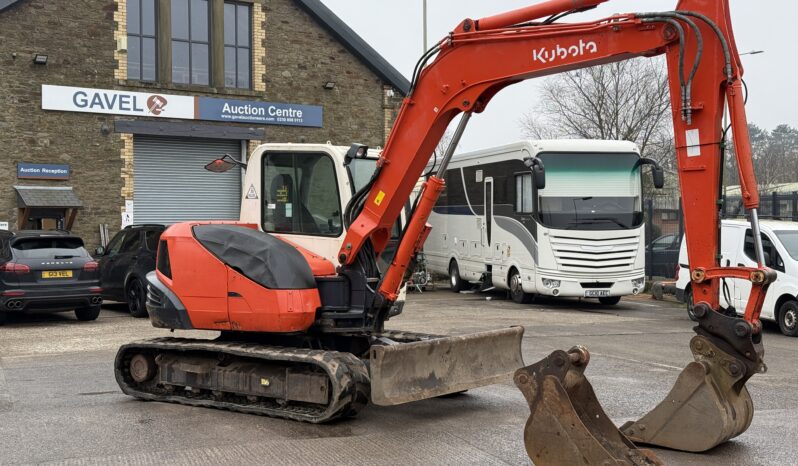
pixel 57 274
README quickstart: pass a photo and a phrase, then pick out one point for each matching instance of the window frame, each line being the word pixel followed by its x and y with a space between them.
pixel 140 36
pixel 265 190
pixel 749 235
pixel 135 236
pixel 236 47
pixel 191 41
pixel 519 201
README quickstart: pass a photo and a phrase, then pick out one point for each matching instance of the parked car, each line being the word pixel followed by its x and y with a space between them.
pixel 662 256
pixel 124 264
pixel 780 244
pixel 47 271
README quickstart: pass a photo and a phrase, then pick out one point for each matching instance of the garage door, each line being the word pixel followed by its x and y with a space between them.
pixel 171 185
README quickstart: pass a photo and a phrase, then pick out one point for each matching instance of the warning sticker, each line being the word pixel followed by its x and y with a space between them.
pixel 282 194
pixel 251 192
pixel 379 198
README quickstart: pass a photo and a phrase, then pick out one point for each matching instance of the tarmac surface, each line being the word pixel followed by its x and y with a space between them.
pixel 59 402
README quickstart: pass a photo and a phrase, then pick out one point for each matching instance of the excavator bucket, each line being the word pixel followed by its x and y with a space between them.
pixel 709 404
pixel 567 425
pixel 406 372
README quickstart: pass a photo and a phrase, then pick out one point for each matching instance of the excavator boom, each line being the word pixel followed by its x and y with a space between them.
pixel 709 403
pixel 302 339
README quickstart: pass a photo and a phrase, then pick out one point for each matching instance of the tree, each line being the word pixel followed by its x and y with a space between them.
pixel 774 153
pixel 628 100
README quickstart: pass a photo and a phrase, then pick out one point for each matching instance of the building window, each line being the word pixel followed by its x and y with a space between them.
pixel 190 42
pixel 237 45
pixel 523 193
pixel 141 40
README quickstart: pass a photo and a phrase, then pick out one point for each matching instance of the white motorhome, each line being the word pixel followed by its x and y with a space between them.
pixel 582 235
pixel 780 243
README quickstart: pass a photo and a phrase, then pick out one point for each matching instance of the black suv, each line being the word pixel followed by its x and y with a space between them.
pixel 47 271
pixel 124 264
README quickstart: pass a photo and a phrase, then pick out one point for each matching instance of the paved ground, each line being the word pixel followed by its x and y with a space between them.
pixel 59 402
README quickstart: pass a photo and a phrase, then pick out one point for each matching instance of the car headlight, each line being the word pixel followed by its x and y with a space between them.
pixel 639 282
pixel 549 283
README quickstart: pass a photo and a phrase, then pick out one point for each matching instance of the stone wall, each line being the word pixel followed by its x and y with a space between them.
pixel 78 41
pixel 293 57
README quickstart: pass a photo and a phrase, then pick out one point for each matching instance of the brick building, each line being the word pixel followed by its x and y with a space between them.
pixel 113 106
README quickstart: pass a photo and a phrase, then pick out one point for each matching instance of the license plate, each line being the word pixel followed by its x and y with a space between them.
pixel 57 274
pixel 596 293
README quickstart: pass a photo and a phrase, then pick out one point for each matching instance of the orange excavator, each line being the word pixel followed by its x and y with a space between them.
pixel 304 339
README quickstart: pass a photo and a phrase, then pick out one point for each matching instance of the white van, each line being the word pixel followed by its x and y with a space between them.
pixel 780 242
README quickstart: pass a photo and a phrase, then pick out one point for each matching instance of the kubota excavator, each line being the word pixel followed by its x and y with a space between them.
pixel 303 339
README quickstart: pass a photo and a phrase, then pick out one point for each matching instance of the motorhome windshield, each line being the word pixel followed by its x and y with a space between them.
pixel 591 191
pixel 789 239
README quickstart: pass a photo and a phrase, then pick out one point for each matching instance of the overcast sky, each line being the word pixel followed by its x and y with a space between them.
pixel 393 28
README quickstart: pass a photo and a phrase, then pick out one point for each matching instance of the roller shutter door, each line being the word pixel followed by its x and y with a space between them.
pixel 170 184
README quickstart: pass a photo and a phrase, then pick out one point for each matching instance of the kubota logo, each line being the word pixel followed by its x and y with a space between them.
pixel 547 55
pixel 156 104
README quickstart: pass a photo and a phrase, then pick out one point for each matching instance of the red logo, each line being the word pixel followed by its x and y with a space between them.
pixel 156 104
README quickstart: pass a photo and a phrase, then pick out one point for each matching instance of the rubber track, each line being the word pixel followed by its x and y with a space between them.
pixel 349 379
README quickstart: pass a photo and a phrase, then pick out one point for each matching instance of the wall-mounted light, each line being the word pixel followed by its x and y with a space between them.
pixel 329 85
pixel 39 59
pixel 105 130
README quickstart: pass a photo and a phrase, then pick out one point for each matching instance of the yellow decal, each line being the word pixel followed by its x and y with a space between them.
pixel 379 198
pixel 282 194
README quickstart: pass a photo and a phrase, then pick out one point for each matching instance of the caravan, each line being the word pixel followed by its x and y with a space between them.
pixel 577 232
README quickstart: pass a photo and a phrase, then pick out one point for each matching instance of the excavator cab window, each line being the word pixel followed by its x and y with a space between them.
pixel 301 195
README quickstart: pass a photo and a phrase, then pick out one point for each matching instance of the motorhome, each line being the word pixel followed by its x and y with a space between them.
pixel 579 234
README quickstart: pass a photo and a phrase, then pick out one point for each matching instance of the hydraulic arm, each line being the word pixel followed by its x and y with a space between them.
pixel 460 75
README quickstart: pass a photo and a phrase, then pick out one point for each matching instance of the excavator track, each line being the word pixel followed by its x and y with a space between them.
pixel 293 383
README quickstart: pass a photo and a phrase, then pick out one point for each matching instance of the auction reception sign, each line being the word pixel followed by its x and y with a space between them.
pixel 143 104
pixel 42 171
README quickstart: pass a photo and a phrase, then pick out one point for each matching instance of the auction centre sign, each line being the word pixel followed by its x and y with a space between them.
pixel 142 104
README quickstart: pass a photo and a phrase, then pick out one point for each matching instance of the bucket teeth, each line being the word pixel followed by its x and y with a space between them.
pixel 567 425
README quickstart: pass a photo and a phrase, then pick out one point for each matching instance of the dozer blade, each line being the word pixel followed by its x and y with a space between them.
pixel 567 425
pixel 406 372
pixel 709 404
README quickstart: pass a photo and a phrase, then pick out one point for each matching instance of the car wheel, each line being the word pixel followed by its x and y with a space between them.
pixel 87 313
pixel 688 299
pixel 788 318
pixel 455 282
pixel 610 300
pixel 517 290
pixel 136 298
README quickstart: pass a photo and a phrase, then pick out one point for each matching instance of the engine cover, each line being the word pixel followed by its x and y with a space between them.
pixel 231 276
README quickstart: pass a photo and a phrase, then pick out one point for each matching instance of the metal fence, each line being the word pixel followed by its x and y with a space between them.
pixel 664 229
pixel 665 225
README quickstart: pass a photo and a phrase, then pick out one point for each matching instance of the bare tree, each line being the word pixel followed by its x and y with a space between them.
pixel 628 100
pixel 775 156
